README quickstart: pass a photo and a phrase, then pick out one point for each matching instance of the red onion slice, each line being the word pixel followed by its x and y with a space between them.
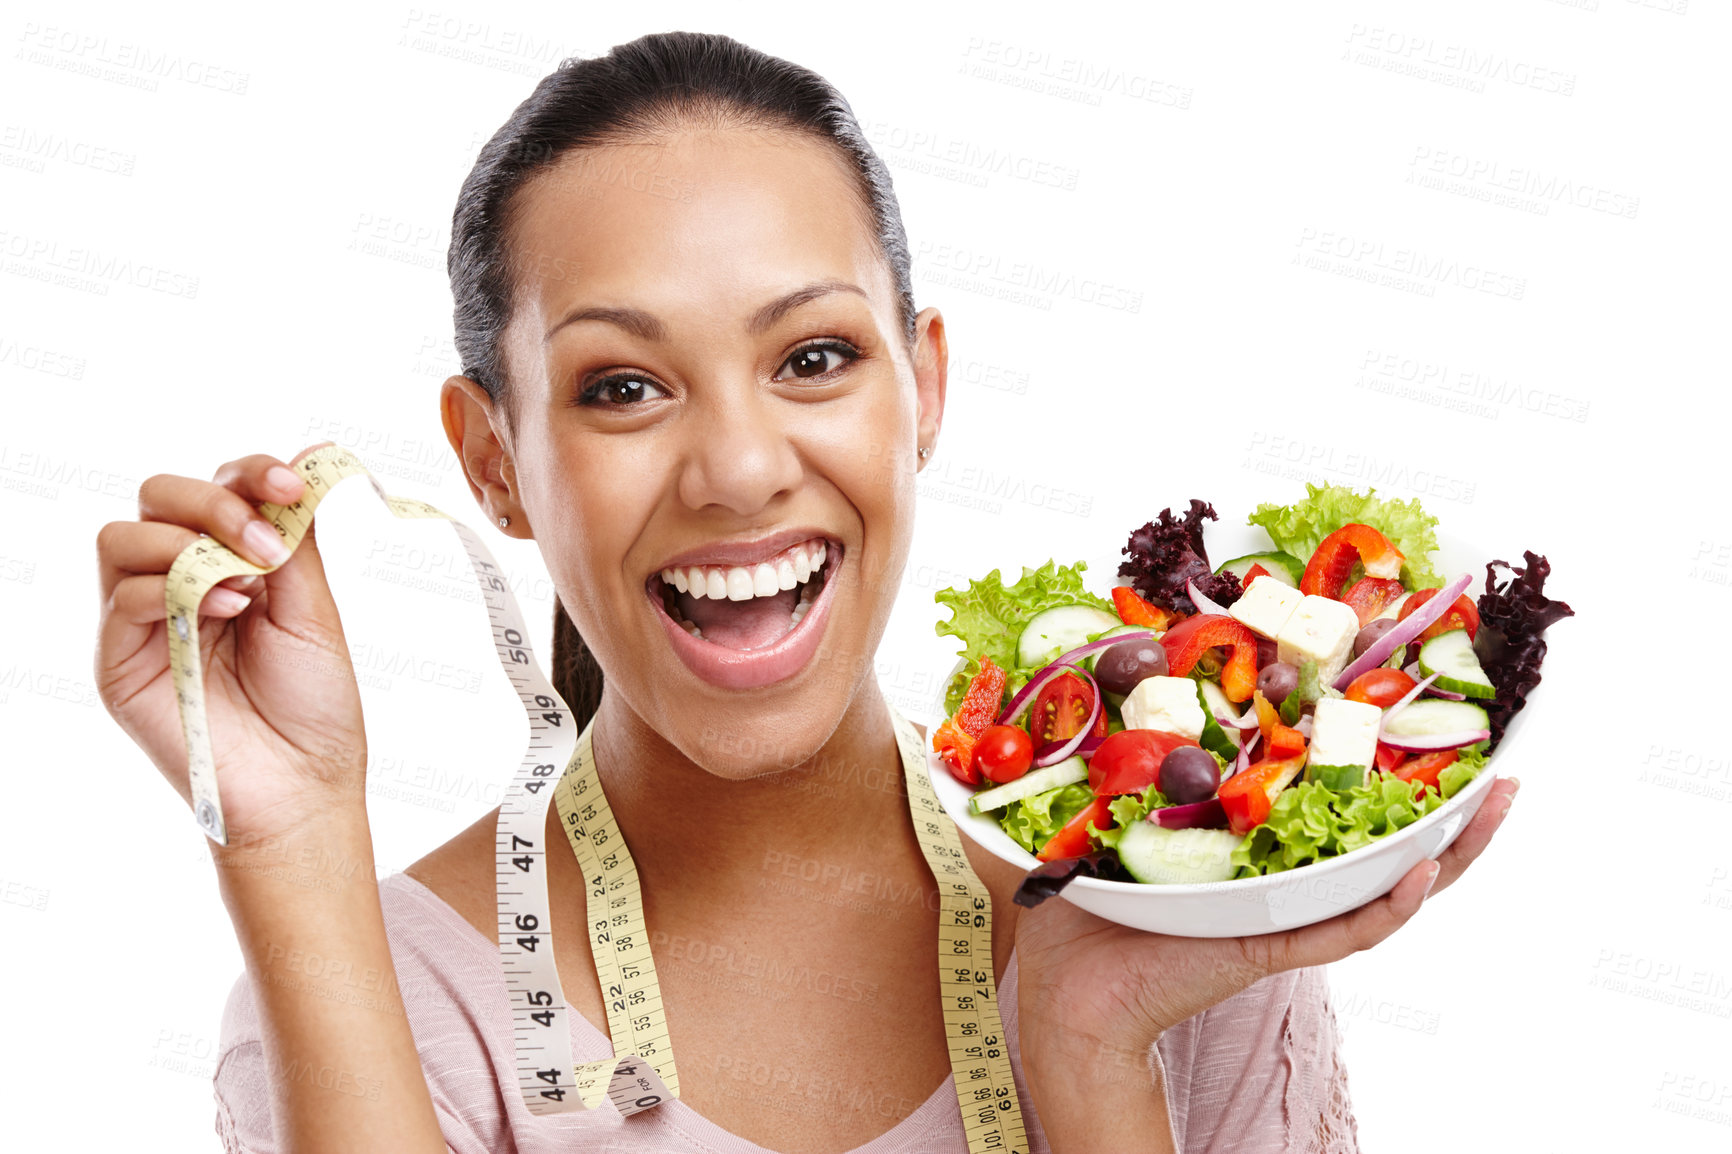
pixel 1013 712
pixel 1244 761
pixel 1198 815
pixel 1249 721
pixel 1058 751
pixel 1203 604
pixel 1405 631
pixel 1433 742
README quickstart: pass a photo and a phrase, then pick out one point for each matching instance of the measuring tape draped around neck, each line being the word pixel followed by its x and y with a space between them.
pixel 641 1074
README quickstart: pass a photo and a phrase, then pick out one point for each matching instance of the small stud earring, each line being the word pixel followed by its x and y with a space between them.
pixel 504 521
pixel 925 451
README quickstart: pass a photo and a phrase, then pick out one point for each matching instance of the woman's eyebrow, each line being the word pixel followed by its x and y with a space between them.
pixel 647 327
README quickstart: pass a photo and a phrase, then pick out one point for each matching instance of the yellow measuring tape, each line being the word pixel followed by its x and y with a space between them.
pixel 559 765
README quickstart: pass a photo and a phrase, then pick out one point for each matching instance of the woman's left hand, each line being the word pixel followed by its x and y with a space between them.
pixel 1093 994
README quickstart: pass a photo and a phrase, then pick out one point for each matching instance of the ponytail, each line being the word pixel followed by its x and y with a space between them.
pixel 576 674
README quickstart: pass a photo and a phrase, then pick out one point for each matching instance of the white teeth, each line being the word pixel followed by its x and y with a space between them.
pixel 739 584
pixel 794 567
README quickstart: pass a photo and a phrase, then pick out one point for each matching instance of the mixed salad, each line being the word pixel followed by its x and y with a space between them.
pixel 1204 724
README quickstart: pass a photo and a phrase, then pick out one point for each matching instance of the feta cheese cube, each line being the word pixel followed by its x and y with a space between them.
pixel 1344 732
pixel 1322 630
pixel 1265 606
pixel 1168 704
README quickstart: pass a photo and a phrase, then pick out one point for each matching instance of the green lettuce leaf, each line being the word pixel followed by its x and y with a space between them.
pixel 1033 820
pixel 989 617
pixel 1300 527
pixel 1310 822
pixel 1126 808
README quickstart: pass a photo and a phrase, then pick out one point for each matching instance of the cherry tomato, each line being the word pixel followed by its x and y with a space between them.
pixel 1129 761
pixel 1461 615
pixel 1060 709
pixel 1380 687
pixel 1003 753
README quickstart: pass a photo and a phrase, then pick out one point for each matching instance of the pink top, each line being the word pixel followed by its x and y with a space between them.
pixel 1257 1073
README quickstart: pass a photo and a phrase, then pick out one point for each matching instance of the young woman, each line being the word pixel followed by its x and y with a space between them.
pixel 689 341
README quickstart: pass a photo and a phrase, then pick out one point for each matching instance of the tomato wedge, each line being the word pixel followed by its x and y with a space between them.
pixel 1388 757
pixel 1425 768
pixel 1133 610
pixel 1060 709
pixel 1371 596
pixel 1462 615
pixel 1129 761
pixel 1329 566
pixel 1073 839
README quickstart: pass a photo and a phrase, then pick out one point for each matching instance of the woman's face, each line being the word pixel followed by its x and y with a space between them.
pixel 711 392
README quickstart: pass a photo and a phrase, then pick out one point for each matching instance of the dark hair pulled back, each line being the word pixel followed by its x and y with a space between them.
pixel 652 85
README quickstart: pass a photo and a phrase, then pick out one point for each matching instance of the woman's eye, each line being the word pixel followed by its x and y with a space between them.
pixel 619 391
pixel 816 360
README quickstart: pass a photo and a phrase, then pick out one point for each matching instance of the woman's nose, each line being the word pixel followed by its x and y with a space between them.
pixel 738 453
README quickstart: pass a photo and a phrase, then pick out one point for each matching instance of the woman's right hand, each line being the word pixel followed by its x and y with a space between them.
pixel 284 710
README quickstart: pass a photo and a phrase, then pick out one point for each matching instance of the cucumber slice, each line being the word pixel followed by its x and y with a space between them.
pixel 1450 656
pixel 1067 772
pixel 1284 567
pixel 1215 704
pixel 1059 630
pixel 1430 716
pixel 1160 856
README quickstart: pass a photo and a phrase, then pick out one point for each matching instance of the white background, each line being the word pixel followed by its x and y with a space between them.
pixel 1207 211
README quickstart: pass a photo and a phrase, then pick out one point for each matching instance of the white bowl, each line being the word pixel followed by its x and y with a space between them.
pixel 1279 901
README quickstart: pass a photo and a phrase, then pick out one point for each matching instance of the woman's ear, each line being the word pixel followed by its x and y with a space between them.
pixel 931 362
pixel 470 416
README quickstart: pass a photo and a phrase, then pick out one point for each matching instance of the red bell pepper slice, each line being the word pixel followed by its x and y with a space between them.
pixel 1329 566
pixel 1425 768
pixel 1285 741
pixel 1187 641
pixel 1073 839
pixel 1248 795
pixel 1133 610
pixel 1254 572
pixel 1371 596
pixel 954 738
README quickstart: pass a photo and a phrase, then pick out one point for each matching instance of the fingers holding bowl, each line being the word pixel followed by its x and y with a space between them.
pixel 1472 840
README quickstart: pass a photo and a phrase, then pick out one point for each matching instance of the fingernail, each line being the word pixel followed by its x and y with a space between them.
pixel 1431 879
pixel 1515 783
pixel 225 601
pixel 264 542
pixel 1507 806
pixel 282 478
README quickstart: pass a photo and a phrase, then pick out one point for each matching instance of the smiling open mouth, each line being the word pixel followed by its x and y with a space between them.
pixel 747 607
